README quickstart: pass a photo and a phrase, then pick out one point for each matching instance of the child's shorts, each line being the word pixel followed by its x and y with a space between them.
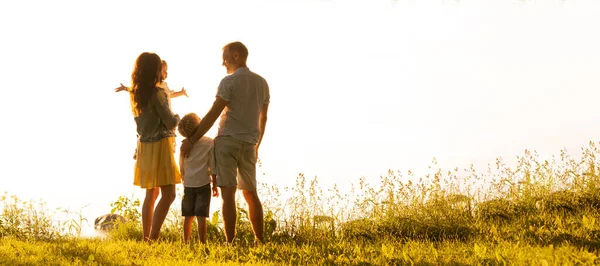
pixel 196 201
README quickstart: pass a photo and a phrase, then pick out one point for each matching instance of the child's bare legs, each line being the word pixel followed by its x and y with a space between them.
pixel 162 209
pixel 187 228
pixel 201 228
pixel 148 211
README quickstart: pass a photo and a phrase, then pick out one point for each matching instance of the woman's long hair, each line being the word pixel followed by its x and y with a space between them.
pixel 146 74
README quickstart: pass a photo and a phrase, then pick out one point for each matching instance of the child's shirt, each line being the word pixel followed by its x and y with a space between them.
pixel 163 85
pixel 200 163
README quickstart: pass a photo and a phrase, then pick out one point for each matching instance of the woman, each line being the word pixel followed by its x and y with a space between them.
pixel 155 165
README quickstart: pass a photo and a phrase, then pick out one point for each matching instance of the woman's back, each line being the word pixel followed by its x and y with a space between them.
pixel 156 120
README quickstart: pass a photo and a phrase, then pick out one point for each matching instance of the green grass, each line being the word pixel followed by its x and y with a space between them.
pixel 128 252
pixel 539 212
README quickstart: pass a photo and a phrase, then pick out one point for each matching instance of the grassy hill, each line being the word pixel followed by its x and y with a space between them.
pixel 536 213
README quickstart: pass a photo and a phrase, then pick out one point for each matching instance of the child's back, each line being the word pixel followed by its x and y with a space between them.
pixel 197 169
pixel 199 165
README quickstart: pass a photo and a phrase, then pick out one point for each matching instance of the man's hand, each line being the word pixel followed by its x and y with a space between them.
pixel 215 191
pixel 186 146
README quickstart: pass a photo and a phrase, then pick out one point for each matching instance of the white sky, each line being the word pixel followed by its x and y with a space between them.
pixel 357 87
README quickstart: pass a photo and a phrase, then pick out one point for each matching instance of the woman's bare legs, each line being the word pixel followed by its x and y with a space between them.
pixel 148 211
pixel 162 209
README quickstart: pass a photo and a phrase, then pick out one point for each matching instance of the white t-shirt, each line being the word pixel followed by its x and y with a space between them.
pixel 200 163
pixel 246 93
pixel 165 86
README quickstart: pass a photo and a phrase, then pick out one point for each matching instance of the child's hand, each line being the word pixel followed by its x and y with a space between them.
pixel 122 88
pixel 215 191
pixel 184 92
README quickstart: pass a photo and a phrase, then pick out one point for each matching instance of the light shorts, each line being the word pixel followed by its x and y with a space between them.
pixel 234 156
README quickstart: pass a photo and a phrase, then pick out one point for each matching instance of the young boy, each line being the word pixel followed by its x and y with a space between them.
pixel 196 172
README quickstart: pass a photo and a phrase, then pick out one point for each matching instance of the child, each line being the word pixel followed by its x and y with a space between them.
pixel 196 172
pixel 163 84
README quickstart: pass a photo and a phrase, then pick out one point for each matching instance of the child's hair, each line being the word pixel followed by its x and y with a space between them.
pixel 163 64
pixel 188 124
pixel 146 73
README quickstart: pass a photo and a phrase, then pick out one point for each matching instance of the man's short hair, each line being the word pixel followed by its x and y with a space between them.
pixel 238 47
pixel 188 124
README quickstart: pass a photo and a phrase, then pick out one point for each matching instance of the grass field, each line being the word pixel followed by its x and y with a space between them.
pixel 540 212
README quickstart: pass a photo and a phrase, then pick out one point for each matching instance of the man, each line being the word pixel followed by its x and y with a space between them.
pixel 242 101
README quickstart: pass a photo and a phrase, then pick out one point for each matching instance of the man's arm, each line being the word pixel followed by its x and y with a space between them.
pixel 207 122
pixel 214 188
pixel 213 179
pixel 209 119
pixel 262 123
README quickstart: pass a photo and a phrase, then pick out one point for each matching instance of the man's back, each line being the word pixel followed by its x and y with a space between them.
pixel 246 93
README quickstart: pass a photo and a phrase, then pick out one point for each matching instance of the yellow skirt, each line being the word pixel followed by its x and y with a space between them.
pixel 155 165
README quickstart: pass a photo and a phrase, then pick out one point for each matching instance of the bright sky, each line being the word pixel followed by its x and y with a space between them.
pixel 357 87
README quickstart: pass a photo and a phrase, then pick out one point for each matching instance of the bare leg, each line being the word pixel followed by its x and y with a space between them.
pixel 201 228
pixel 148 211
pixel 162 209
pixel 256 214
pixel 229 212
pixel 187 228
